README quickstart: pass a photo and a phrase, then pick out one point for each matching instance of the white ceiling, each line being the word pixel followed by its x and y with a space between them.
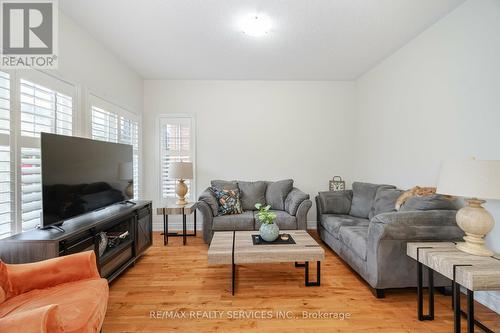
pixel 199 39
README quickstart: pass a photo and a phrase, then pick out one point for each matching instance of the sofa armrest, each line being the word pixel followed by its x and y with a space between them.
pixel 301 214
pixel 51 272
pixel 207 218
pixel 294 199
pixel 38 320
pixel 209 198
pixel 417 225
pixel 334 202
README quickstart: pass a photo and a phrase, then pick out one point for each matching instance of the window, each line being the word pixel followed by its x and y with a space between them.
pixel 113 124
pixel 7 225
pixel 42 110
pixel 176 145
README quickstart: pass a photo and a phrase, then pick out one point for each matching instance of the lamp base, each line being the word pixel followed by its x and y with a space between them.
pixel 476 222
pixel 181 191
pixel 477 250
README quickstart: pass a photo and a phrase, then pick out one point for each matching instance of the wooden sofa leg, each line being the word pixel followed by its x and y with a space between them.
pixel 378 293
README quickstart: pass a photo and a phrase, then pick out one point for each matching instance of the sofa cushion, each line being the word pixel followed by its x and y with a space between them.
pixel 82 304
pixel 252 193
pixel 385 201
pixel 277 192
pixel 228 200
pixel 362 198
pixel 284 220
pixel 338 202
pixel 355 238
pixel 224 184
pixel 244 221
pixel 332 223
pixel 430 202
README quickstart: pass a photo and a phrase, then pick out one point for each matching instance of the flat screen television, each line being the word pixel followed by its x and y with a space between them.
pixel 81 175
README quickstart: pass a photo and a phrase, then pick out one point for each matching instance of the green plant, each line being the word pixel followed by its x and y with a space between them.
pixel 265 216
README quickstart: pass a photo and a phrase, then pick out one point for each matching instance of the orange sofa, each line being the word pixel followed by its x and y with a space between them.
pixel 64 294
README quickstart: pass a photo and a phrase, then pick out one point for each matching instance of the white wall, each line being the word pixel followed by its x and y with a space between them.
pixel 257 130
pixel 85 62
pixel 437 98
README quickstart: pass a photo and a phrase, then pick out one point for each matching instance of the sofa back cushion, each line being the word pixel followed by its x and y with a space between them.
pixel 430 202
pixel 338 202
pixel 4 282
pixel 362 198
pixel 385 201
pixel 225 184
pixel 277 192
pixel 252 193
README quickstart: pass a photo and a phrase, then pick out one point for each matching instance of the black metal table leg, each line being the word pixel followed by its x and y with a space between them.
pixel 194 222
pixel 233 265
pixel 165 229
pixel 470 311
pixel 456 308
pixel 318 275
pixel 183 229
pixel 420 293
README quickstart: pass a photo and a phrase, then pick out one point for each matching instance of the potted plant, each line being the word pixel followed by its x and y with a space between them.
pixel 269 230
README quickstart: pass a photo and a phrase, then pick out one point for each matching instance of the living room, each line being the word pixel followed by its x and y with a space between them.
pixel 140 155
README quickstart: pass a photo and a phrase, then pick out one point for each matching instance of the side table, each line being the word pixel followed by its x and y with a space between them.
pixel 174 209
pixel 465 270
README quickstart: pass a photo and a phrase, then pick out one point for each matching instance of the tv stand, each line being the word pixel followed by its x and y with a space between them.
pixel 58 228
pixel 84 233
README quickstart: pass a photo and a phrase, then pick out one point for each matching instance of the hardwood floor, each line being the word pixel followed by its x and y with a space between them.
pixel 177 278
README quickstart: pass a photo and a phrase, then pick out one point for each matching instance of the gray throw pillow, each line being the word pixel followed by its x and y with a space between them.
pixel 335 202
pixel 362 198
pixel 385 201
pixel 276 193
pixel 225 184
pixel 430 202
pixel 252 193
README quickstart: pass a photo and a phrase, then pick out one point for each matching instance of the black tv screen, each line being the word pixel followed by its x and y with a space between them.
pixel 81 175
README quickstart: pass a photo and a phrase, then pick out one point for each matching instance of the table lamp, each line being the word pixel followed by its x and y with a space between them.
pixel 475 180
pixel 126 172
pixel 181 171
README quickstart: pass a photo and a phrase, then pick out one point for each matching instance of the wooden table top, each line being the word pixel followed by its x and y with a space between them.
pixel 171 208
pixel 221 247
pixel 482 274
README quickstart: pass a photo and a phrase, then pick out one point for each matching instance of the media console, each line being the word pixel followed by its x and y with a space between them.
pixel 83 233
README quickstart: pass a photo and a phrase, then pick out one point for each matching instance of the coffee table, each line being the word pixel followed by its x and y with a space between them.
pixel 236 247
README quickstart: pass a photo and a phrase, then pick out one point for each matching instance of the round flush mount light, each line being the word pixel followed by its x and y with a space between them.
pixel 256 25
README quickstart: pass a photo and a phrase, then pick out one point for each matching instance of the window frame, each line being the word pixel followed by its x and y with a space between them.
pixel 158 157
pixel 94 100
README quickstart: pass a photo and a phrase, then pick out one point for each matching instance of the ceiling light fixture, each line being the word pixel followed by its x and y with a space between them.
pixel 256 25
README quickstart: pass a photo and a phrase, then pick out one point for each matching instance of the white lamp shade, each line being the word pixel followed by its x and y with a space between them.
pixel 180 170
pixel 126 171
pixel 470 179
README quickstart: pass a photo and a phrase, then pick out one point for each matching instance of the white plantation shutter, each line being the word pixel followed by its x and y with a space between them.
pixel 7 209
pixel 129 134
pixel 176 145
pixel 42 110
pixel 113 124
pixel 104 125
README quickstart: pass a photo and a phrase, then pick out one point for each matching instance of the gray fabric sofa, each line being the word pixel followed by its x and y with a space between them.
pixel 290 204
pixel 362 226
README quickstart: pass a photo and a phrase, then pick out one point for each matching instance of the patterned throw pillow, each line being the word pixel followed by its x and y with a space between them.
pixel 228 200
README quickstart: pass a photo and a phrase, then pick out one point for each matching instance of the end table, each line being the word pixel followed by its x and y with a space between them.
pixel 174 209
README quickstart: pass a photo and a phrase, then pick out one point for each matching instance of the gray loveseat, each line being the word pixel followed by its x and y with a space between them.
pixel 289 203
pixel 364 229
